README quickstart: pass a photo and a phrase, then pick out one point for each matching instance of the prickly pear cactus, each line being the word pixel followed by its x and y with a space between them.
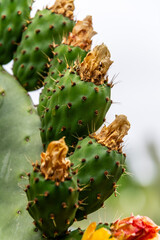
pixel 52 191
pixel 14 16
pixel 99 163
pixel 19 145
pixel 54 52
pixel 75 93
pixel 47 28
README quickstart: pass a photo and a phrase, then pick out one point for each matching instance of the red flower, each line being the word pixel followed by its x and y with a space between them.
pixel 135 228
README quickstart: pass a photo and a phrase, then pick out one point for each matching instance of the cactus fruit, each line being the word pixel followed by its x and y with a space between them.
pixel 73 49
pixel 84 90
pixel 47 28
pixel 98 163
pixel 19 142
pixel 52 191
pixel 14 15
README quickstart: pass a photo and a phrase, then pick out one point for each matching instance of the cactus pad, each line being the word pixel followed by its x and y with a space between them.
pixel 73 49
pixel 73 95
pixel 64 113
pixel 99 163
pixel 19 145
pixel 13 18
pixel 31 58
pixel 63 56
pixel 52 192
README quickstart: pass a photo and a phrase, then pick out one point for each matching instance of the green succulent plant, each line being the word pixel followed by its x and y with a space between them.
pixel 40 180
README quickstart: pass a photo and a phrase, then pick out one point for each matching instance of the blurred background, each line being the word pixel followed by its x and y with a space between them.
pixel 131 30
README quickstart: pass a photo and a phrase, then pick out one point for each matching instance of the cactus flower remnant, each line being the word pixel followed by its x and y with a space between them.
pixel 135 227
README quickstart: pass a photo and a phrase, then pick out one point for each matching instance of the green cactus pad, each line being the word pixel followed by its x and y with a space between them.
pixel 53 206
pixel 19 145
pixel 13 18
pixel 31 58
pixel 98 170
pixel 75 109
pixel 63 56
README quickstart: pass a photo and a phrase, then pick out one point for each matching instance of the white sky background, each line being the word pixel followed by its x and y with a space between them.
pixel 131 30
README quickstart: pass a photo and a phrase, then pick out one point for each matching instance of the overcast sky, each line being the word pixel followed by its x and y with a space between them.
pixel 131 30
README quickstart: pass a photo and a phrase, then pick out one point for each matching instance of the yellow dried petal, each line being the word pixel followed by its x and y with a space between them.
pixel 89 231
